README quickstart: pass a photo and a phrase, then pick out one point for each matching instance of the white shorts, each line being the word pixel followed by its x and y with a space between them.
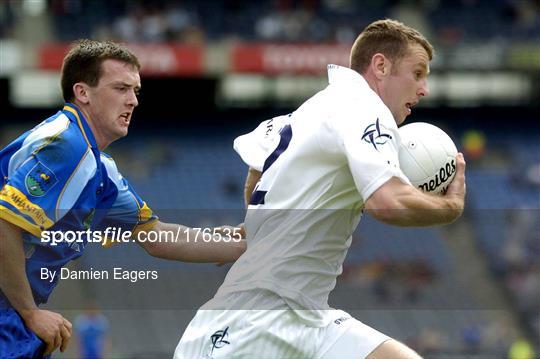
pixel 274 334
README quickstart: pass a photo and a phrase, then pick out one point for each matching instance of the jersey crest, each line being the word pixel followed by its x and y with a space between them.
pixel 375 134
pixel 39 180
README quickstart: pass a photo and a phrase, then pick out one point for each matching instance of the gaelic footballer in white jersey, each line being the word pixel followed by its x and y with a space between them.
pixel 319 164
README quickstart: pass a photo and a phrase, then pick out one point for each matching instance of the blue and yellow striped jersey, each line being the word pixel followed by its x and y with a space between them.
pixel 54 178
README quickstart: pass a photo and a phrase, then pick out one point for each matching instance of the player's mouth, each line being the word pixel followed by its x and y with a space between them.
pixel 125 117
pixel 410 105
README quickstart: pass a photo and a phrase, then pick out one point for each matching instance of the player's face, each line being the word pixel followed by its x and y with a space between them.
pixel 406 83
pixel 113 100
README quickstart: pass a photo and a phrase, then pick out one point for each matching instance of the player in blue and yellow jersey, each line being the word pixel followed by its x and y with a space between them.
pixel 55 177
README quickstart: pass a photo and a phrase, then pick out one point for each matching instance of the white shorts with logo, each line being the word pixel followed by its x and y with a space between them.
pixel 274 334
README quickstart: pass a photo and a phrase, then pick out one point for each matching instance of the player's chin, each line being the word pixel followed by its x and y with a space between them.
pixel 122 131
pixel 405 113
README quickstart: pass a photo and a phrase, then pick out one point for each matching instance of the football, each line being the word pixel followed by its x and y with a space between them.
pixel 427 156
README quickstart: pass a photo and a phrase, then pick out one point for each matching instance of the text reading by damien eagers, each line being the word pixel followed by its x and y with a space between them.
pixel 116 273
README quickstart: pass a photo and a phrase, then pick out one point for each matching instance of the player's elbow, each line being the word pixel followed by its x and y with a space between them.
pixel 385 205
pixel 389 215
pixel 152 248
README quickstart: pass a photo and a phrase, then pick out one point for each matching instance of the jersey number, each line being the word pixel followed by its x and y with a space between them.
pixel 257 197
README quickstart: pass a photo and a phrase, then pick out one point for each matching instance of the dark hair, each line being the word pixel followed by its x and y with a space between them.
pixel 388 37
pixel 83 63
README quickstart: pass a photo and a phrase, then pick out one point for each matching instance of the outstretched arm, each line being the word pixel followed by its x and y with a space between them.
pixel 400 204
pixel 220 245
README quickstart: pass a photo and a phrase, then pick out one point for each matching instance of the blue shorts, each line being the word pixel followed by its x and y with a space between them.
pixel 16 340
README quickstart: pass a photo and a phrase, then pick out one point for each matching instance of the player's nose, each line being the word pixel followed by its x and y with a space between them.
pixel 423 90
pixel 132 99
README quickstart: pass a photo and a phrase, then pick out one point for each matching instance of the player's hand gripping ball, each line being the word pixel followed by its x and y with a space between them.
pixel 427 156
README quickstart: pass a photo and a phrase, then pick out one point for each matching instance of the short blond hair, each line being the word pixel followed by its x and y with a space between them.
pixel 388 37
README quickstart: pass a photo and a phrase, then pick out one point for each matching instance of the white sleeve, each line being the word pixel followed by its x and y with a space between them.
pixel 371 148
pixel 255 146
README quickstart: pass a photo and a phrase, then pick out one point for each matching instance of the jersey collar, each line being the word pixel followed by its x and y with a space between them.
pixel 75 115
pixel 340 74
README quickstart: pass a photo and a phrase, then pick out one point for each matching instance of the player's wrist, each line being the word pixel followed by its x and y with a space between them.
pixel 28 313
pixel 455 205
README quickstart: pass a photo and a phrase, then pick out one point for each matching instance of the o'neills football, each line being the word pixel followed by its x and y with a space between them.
pixel 427 156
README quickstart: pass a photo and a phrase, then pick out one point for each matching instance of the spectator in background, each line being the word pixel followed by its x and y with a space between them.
pixel 521 349
pixel 474 144
pixel 92 327
pixel 158 24
pixel 430 341
pixel 471 336
pixel 413 13
pixel 526 175
pixel 128 27
pixel 533 174
pixel 183 25
pixel 536 324
pixel 6 19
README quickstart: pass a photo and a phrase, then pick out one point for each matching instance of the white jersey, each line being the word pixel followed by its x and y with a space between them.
pixel 320 164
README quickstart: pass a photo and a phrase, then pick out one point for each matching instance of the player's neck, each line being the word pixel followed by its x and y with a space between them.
pixel 101 140
pixel 372 82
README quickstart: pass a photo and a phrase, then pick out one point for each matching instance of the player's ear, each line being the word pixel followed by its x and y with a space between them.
pixel 80 92
pixel 380 65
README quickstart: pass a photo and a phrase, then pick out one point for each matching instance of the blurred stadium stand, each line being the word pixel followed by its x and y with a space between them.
pixel 212 70
pixel 281 20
